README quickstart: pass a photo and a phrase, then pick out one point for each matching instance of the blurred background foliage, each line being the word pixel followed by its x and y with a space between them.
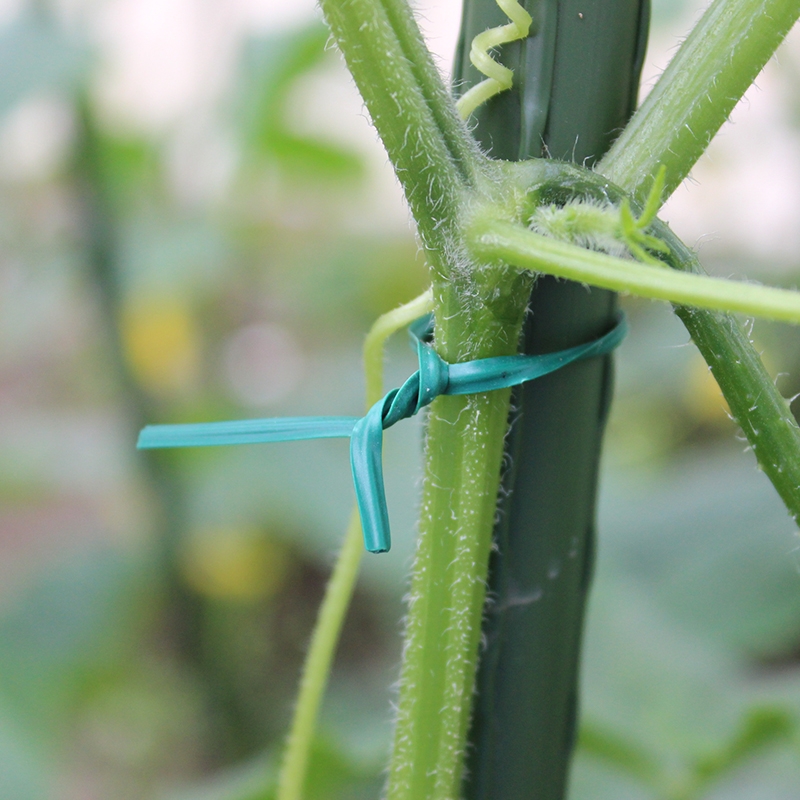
pixel 197 224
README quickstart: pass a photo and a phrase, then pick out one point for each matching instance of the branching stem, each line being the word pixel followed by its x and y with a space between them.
pixel 432 152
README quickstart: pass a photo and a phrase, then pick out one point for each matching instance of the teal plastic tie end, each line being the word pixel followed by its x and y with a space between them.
pixel 366 452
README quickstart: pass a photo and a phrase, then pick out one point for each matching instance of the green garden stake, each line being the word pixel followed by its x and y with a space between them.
pixel 575 85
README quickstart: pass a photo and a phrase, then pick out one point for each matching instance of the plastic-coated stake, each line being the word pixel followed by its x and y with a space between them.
pixel 433 378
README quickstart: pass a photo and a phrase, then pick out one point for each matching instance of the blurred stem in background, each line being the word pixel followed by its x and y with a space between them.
pixel 185 613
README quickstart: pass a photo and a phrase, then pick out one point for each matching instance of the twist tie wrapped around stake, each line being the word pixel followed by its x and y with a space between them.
pixel 433 378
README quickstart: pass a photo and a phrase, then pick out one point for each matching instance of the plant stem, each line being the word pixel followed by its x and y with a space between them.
pixel 458 507
pixel 753 398
pixel 754 401
pixel 339 591
pixel 464 450
pixel 517 245
pixel 433 155
pixel 459 143
pixel 711 71
pixel 316 668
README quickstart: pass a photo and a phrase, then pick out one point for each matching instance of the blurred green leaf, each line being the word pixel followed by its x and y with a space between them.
pixel 273 65
pixel 617 751
pixel 313 158
pixel 77 622
pixel 129 166
pixel 761 729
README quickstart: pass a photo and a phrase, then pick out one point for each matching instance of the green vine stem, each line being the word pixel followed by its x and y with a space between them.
pixel 317 666
pixel 463 454
pixel 755 403
pixel 339 590
pixel 433 155
pixel 708 75
pixel 515 244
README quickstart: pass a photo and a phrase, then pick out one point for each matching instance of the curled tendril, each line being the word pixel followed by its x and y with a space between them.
pixel 498 77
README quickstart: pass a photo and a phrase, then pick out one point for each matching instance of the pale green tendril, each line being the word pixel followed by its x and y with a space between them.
pixel 325 637
pixel 602 226
pixel 498 77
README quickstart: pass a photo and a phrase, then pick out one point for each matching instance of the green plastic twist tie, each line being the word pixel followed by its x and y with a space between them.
pixel 433 378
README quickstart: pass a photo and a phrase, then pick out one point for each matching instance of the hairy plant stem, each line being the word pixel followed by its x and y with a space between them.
pixel 464 449
pixel 710 72
pixel 515 244
pixel 755 403
pixel 433 155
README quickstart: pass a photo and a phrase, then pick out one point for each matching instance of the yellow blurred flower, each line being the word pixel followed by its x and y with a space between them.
pixel 162 344
pixel 234 564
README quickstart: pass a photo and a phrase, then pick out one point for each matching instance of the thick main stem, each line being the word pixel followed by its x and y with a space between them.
pixel 464 450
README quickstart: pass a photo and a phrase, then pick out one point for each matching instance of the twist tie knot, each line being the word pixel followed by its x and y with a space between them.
pixel 434 377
